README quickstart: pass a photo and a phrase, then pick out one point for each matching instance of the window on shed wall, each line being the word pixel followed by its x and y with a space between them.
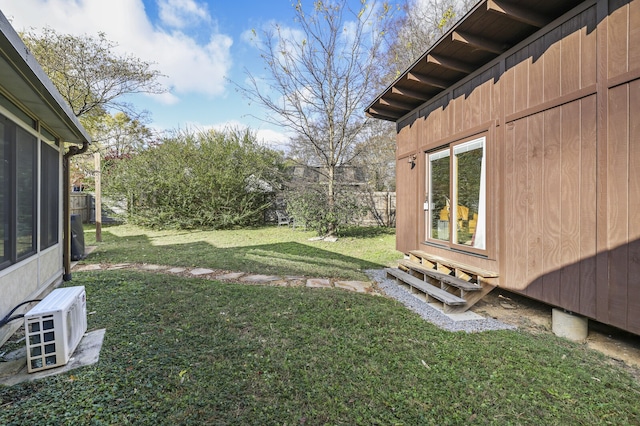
pixel 457 195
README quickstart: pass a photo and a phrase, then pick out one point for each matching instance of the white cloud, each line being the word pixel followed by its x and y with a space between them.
pixel 190 67
pixel 272 138
pixel 180 13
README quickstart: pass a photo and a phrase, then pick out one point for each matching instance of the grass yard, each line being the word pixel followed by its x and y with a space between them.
pixel 191 351
pixel 180 351
pixel 266 250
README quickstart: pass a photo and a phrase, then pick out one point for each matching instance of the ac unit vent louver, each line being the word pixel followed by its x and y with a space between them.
pixel 54 327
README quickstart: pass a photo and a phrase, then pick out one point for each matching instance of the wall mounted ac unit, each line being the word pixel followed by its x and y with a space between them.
pixel 54 327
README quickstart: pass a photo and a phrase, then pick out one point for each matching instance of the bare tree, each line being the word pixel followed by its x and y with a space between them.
pixel 320 76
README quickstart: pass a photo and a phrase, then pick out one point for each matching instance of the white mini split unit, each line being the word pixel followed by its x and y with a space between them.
pixel 54 327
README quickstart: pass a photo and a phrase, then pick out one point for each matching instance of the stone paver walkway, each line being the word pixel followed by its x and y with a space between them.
pixel 237 277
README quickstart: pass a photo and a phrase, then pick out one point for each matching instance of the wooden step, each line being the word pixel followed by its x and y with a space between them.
pixel 428 260
pixel 440 276
pixel 430 290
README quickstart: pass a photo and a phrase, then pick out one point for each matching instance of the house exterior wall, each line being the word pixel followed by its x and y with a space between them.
pixel 38 274
pixel 563 175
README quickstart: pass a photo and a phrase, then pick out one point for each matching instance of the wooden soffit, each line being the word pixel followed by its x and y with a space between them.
pixel 487 31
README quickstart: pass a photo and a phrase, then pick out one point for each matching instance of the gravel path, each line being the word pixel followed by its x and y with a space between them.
pixel 428 312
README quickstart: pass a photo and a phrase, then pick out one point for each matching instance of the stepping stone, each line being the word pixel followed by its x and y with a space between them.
pixel 151 267
pixel 295 281
pixel 92 267
pixel 260 278
pixel 318 283
pixel 331 239
pixel 176 270
pixel 116 267
pixel 201 271
pixel 358 286
pixel 230 276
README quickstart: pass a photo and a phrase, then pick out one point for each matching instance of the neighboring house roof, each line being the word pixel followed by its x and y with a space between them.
pixel 30 86
pixel 490 29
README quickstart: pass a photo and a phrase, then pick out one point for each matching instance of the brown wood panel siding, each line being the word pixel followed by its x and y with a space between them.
pixel 633 291
pixel 618 31
pixel 571 50
pixel 588 212
pixel 406 206
pixel 552 65
pixel 508 87
pixel 549 197
pixel 519 207
pixel 602 258
pixel 552 202
pixel 508 168
pixel 634 36
pixel 436 122
pixel 534 189
pixel 536 72
pixel 521 79
pixel 458 103
pixel 407 139
pixel 570 189
pixel 588 47
pixel 617 203
pixel 558 63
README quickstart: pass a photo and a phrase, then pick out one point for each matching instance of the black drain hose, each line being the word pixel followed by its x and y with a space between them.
pixel 8 318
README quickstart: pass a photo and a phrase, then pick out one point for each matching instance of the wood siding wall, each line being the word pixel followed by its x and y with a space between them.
pixel 564 163
pixel 549 166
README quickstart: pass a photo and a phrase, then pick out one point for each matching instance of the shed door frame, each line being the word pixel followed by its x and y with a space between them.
pixel 445 191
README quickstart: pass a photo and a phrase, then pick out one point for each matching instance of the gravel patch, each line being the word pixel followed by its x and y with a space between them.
pixel 430 313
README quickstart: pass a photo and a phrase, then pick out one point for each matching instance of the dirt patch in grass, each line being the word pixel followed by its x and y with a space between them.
pixel 622 348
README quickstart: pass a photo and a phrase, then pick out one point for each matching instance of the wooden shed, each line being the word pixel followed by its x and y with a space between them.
pixel 518 157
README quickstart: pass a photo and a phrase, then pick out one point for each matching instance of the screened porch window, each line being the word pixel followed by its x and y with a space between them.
pixel 18 190
pixel 457 195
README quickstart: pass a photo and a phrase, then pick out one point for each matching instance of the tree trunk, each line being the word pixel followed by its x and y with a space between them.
pixel 331 201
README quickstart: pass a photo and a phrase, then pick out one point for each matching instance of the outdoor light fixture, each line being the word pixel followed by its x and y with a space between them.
pixel 412 161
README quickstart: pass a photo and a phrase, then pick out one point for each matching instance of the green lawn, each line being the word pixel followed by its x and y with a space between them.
pixel 191 351
pixel 266 250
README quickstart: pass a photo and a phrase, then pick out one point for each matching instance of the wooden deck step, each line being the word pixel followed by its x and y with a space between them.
pixel 429 290
pixel 419 256
pixel 439 276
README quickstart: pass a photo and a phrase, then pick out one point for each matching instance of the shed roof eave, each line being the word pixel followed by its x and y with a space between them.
pixel 469 45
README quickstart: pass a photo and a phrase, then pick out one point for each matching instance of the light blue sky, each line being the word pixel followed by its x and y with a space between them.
pixel 198 44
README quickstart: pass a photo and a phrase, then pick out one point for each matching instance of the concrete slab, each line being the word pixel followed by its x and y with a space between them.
pixel 201 271
pixel 87 353
pixel 176 270
pixel 260 278
pixel 230 276
pixel 357 286
pixel 318 283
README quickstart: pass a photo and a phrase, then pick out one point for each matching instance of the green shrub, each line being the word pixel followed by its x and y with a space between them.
pixel 206 179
